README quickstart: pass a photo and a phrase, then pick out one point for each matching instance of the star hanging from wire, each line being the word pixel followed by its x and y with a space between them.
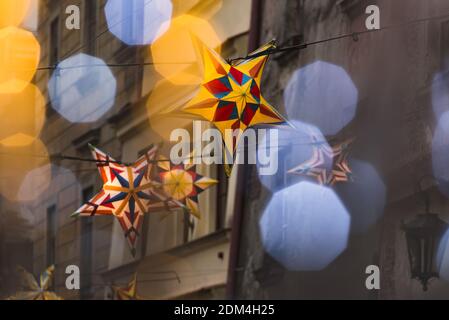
pixel 230 96
pixel 327 165
pixel 129 292
pixel 183 183
pixel 128 192
pixel 34 290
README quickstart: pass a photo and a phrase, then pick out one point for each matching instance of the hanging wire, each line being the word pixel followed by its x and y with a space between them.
pixel 63 157
pixel 353 35
pixel 296 47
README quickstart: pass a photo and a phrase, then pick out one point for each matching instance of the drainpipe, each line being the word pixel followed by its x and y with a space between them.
pixel 243 170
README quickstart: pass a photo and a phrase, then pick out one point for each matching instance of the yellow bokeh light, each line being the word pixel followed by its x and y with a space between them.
pixel 22 116
pixel 17 164
pixel 13 12
pixel 19 58
pixel 163 106
pixel 19 139
pixel 197 8
pixel 174 54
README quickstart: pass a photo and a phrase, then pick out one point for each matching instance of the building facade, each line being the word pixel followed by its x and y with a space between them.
pixel 177 256
pixel 393 71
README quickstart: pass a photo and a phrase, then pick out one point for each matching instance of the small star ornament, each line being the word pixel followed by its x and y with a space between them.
pixel 129 292
pixel 34 290
pixel 328 165
pixel 183 183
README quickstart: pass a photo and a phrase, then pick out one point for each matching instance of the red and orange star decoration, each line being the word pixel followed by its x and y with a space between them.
pixel 128 192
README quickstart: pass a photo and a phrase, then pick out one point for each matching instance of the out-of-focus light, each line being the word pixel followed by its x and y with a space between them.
pixel 22 116
pixel 82 88
pixel 364 196
pixel 322 94
pixel 13 12
pixel 305 227
pixel 19 58
pixel 443 257
pixel 174 53
pixel 440 93
pixel 138 22
pixel 16 163
pixel 164 101
pixel 31 20
pixel 440 153
pixel 295 145
pixel 48 180
pixel 35 183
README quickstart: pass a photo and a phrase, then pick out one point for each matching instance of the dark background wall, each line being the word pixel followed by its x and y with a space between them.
pixel 393 72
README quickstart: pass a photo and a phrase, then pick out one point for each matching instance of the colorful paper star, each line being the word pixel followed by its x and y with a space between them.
pixel 230 96
pixel 129 292
pixel 35 290
pixel 327 165
pixel 183 184
pixel 127 194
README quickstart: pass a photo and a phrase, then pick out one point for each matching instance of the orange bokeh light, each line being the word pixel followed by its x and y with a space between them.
pixel 22 116
pixel 17 183
pixel 163 107
pixel 174 53
pixel 13 12
pixel 19 58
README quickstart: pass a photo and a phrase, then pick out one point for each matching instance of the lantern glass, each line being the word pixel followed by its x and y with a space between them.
pixel 423 235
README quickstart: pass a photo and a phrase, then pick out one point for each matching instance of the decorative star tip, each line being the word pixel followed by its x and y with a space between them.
pixel 129 292
pixel 128 193
pixel 230 96
pixel 75 215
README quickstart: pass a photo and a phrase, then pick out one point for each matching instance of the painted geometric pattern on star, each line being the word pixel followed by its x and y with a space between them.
pixel 328 165
pixel 127 193
pixel 230 96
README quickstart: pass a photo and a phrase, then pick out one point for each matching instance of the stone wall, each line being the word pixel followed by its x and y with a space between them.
pixel 393 127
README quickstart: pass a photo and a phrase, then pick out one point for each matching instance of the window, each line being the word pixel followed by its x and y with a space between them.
pixel 222 191
pixel 90 25
pixel 51 235
pixel 54 42
pixel 86 249
pixel 445 45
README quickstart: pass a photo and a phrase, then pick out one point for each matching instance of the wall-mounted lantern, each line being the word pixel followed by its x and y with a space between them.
pixel 423 235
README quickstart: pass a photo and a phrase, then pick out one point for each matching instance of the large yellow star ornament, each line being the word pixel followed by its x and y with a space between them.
pixel 230 96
